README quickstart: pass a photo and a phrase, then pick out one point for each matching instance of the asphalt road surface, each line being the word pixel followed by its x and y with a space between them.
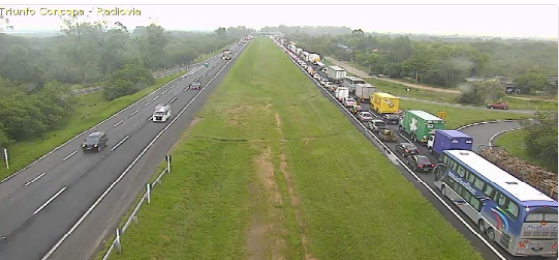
pixel 41 204
pixel 424 181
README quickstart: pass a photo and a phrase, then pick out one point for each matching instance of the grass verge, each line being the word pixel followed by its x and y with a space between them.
pixel 513 142
pixel 457 116
pixel 260 176
pixel 91 110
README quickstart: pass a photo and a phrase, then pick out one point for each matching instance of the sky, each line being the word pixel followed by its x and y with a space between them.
pixel 483 20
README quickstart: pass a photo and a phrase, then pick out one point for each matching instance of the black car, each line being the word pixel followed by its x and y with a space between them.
pixel 406 149
pixel 420 163
pixel 96 141
pixel 391 118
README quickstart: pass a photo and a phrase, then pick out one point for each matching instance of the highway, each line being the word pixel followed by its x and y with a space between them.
pixel 44 204
pixel 424 181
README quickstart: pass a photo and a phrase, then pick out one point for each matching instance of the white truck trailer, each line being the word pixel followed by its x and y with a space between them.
pixel 364 91
pixel 335 73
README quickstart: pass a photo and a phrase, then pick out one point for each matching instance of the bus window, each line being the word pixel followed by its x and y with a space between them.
pixel 452 165
pixel 488 190
pixel 479 183
pixel 466 194
pixel 501 199
pixel 548 217
pixel 512 208
pixel 461 171
pixel 476 204
pixel 471 178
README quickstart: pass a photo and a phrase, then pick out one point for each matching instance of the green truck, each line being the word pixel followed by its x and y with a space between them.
pixel 420 125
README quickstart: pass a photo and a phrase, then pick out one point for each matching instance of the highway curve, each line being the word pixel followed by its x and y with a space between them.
pixel 424 181
pixel 41 204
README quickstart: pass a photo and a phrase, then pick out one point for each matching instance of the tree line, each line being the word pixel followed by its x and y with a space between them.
pixel 436 62
pixel 36 73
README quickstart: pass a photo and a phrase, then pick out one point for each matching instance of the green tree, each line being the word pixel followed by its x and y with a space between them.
pixel 531 82
pixel 541 140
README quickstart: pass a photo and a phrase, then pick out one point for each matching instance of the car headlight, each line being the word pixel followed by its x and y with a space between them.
pixel 83 145
pixel 94 145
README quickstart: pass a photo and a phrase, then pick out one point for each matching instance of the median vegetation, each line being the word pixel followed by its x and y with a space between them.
pixel 270 169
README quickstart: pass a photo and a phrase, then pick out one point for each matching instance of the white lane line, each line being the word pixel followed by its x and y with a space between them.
pixel 419 180
pixel 155 97
pixel 173 100
pixel 146 104
pixel 36 178
pixel 173 86
pixel 133 113
pixel 50 200
pixel 83 132
pixel 119 122
pixel 70 155
pixel 164 92
pixel 94 205
pixel 500 133
pixel 119 143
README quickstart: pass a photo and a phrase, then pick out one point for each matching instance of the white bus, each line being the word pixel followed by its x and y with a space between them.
pixel 162 113
pixel 511 213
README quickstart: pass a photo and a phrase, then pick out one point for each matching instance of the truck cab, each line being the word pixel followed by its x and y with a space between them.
pixel 161 113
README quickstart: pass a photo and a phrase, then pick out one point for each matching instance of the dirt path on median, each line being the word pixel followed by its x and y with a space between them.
pixel 362 74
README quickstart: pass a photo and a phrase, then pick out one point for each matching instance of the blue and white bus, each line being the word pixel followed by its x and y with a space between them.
pixel 510 212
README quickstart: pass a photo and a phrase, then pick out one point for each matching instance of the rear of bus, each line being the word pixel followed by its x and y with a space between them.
pixel 538 236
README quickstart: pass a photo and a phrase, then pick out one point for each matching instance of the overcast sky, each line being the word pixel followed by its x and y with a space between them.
pixel 495 20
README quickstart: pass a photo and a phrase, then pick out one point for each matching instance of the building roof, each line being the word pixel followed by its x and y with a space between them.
pixel 515 187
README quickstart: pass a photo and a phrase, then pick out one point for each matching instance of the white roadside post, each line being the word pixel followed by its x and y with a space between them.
pixel 6 158
pixel 118 245
pixel 149 192
pixel 168 158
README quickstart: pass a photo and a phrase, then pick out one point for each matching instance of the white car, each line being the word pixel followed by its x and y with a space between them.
pixel 349 102
pixel 365 116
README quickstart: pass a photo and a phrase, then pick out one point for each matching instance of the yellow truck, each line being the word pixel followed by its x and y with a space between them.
pixel 384 103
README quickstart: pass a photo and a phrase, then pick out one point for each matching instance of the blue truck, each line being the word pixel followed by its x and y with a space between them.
pixel 449 140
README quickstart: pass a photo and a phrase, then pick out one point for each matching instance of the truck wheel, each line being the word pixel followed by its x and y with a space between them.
pixel 491 107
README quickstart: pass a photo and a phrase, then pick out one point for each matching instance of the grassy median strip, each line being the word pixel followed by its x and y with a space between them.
pixel 91 110
pixel 270 169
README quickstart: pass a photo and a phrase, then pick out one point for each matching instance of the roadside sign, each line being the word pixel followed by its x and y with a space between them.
pixel 441 114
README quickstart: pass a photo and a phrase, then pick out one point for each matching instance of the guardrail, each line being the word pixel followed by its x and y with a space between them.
pixel 147 196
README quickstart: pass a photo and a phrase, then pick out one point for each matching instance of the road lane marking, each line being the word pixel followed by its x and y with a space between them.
pixel 119 122
pixel 163 93
pixel 133 113
pixel 119 143
pixel 173 100
pixel 500 133
pixel 146 104
pixel 36 178
pixel 50 200
pixel 94 205
pixel 83 132
pixel 155 97
pixel 70 155
pixel 419 180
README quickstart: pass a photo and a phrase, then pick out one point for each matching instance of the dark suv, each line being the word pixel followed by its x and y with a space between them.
pixel 95 142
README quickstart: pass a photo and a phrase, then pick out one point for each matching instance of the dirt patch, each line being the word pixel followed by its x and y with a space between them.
pixel 278 123
pixel 234 113
pixel 184 134
pixel 295 202
pixel 266 230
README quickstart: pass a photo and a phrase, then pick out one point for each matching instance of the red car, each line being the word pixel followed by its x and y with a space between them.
pixel 498 105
